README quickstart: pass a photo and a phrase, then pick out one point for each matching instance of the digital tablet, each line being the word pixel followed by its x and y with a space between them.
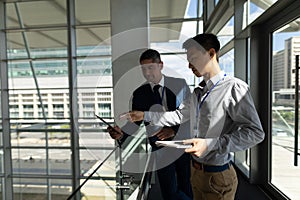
pixel 105 122
pixel 175 144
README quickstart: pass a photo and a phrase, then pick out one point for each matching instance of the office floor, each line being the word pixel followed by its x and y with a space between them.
pixel 245 191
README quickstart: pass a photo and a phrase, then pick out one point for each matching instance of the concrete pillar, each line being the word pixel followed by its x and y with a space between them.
pixel 130 37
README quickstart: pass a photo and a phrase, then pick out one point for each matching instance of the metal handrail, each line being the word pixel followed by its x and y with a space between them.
pixel 145 184
pixel 95 170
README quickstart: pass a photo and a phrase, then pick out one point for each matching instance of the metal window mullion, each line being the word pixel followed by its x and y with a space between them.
pixel 24 36
pixel 296 154
pixel 7 188
pixel 72 71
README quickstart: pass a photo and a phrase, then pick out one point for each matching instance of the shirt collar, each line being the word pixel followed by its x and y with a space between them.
pixel 161 82
pixel 215 79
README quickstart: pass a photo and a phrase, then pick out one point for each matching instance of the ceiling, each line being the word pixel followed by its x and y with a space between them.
pixel 43 24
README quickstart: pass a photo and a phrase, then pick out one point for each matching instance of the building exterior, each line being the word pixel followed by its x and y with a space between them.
pixel 284 65
pixel 280 70
pixel 292 46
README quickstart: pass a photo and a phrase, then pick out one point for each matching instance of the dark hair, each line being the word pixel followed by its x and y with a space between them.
pixel 150 54
pixel 203 41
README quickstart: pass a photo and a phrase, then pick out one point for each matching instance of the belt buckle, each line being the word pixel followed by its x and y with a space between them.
pixel 197 165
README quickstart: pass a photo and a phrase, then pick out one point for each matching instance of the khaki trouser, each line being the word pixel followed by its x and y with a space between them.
pixel 214 185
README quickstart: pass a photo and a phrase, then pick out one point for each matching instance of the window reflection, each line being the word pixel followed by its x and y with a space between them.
pixel 286 44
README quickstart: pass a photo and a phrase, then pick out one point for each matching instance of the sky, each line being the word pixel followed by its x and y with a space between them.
pixel 279 38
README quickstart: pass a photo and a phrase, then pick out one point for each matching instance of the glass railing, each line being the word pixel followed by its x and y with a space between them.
pixel 124 184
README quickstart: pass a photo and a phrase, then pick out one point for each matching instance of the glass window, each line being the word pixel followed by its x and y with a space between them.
pixel 177 66
pixel 49 74
pixel 286 45
pixel 93 41
pixel 0 103
pixel 39 107
pixel 92 12
pixel 25 161
pixel 37 44
pixel 35 134
pixel 170 36
pixel 32 161
pixel 36 13
pixel 167 37
pixel 90 159
pixel 37 188
pixel 94 67
pixel 43 68
pixel 257 7
pixel 227 32
pixel 1 158
pixel 165 9
pixel 168 40
pixel 39 87
pixel 227 62
pixel 96 138
pixel 193 7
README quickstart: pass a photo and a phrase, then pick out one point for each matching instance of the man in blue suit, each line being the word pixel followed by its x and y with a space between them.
pixel 163 93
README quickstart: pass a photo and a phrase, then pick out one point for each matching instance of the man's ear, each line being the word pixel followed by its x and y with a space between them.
pixel 212 52
pixel 161 64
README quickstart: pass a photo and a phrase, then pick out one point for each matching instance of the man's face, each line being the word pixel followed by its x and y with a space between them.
pixel 198 61
pixel 151 70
